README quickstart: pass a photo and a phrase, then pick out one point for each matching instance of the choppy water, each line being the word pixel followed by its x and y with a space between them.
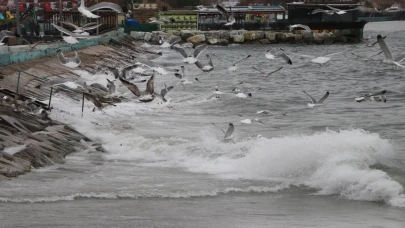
pixel 341 165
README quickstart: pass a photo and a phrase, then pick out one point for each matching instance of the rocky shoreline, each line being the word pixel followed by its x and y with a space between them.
pixel 30 140
pixel 225 37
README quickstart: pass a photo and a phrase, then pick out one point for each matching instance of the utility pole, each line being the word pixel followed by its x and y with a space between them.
pixel 17 17
pixel 60 14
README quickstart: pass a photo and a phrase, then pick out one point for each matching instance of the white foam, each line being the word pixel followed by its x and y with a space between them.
pixel 14 149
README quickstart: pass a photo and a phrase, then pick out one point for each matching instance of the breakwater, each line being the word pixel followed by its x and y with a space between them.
pixel 225 37
pixel 33 140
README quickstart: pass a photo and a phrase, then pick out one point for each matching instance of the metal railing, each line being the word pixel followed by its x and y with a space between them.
pixel 42 79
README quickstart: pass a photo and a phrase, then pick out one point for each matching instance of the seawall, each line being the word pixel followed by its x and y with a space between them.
pixel 225 37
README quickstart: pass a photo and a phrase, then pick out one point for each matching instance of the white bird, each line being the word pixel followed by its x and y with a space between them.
pixel 183 77
pixel 69 62
pixel 321 59
pixel 388 56
pixel 229 132
pixel 243 95
pixel 292 27
pixel 234 66
pixel 190 58
pixel 164 91
pixel 164 44
pixel 205 68
pixel 5 34
pixel 82 29
pixel 339 11
pixel 87 11
pixel 379 96
pixel 267 74
pixel 72 37
pixel 273 54
pixel 314 102
pixel 230 20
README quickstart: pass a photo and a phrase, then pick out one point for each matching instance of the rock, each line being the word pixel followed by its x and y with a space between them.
pixel 264 41
pixel 238 38
pixel 223 42
pixel 308 37
pixel 147 37
pixel 196 39
pixel 343 39
pixel 271 36
pixel 261 35
pixel 212 35
pixel 212 41
pixel 281 37
pixel 224 35
pixel 185 34
pixel 328 41
pixel 250 36
pixel 138 35
pixel 13 166
pixel 187 45
pixel 154 39
pixel 290 38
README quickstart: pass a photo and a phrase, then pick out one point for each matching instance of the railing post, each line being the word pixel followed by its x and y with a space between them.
pixel 18 82
pixel 82 104
pixel 50 97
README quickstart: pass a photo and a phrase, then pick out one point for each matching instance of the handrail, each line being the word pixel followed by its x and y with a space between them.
pixel 43 79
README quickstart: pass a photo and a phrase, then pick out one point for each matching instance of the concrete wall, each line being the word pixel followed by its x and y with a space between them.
pixel 22 53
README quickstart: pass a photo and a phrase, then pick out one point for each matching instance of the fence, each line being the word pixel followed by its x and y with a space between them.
pixel 246 26
pixel 108 19
pixel 64 88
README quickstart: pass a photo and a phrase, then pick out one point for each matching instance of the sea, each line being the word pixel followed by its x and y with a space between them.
pixel 168 165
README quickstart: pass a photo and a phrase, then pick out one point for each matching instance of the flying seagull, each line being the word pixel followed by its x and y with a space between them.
pixel 306 28
pixel 88 26
pixel 321 60
pixel 190 58
pixel 314 102
pixel 183 77
pixel 379 96
pixel 61 81
pixel 172 41
pixel 72 37
pixel 148 95
pixel 132 87
pixel 5 34
pixel 69 62
pixel 111 87
pixel 339 11
pixel 388 56
pixel 164 91
pixel 234 66
pixel 228 133
pixel 230 19
pixel 205 68
pixel 87 11
pixel 273 54
pixel 267 74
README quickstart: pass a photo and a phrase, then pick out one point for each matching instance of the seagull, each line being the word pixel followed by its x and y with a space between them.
pixel 87 11
pixel 206 68
pixel 94 100
pixel 314 102
pixel 174 40
pixel 339 11
pixel 88 26
pixel 72 37
pixel 5 34
pixel 111 87
pixel 148 95
pixel 388 56
pixel 272 54
pixel 329 12
pixel 161 21
pixel 368 57
pixel 69 62
pixel 368 43
pixel 190 58
pixel 379 96
pixel 320 60
pixel 164 91
pixel 183 77
pixel 267 74
pixel 228 133
pixel 234 66
pixel 230 20
pixel 292 27
pixel 132 87
pixel 243 95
